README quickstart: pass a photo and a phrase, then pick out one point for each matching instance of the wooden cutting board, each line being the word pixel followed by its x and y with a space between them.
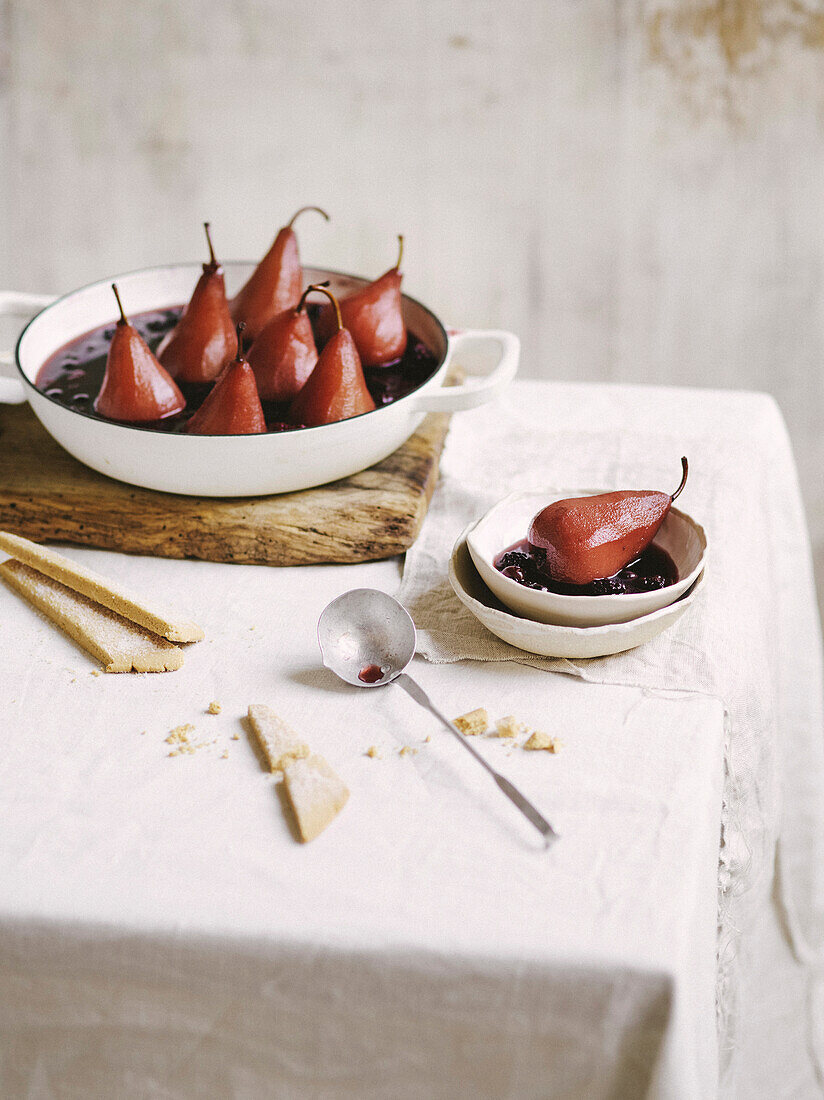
pixel 47 494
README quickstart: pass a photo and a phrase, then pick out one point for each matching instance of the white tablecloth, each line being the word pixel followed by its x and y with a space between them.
pixel 163 934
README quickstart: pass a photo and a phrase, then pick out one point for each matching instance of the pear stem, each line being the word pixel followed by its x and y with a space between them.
pixel 212 257
pixel 124 320
pixel 685 466
pixel 309 289
pixel 322 287
pixel 241 325
pixel 302 210
pixel 400 252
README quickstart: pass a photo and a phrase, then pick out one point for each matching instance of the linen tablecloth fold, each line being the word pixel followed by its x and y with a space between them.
pixel 751 639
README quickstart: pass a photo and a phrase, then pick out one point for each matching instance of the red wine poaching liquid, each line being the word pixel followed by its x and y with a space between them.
pixel 73 375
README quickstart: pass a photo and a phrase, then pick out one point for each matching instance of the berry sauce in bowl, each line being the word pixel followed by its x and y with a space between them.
pixel 526 564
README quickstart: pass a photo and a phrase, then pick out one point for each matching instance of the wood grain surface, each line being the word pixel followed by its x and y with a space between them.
pixel 47 494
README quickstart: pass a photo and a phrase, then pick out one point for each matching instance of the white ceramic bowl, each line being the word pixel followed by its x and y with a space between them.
pixel 547 640
pixel 234 465
pixel 508 521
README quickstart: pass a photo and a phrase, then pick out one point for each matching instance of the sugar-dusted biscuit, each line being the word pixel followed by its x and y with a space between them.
pixel 316 792
pixel 159 620
pixel 278 741
pixel 119 644
pixel 473 723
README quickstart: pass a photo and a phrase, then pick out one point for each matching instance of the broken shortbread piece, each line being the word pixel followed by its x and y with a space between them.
pixel 508 726
pixel 119 644
pixel 473 723
pixel 159 620
pixel 278 741
pixel 541 740
pixel 316 792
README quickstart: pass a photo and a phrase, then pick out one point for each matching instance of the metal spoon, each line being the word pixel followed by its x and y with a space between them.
pixel 367 639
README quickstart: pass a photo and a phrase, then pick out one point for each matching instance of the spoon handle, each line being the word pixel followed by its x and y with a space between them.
pixel 412 688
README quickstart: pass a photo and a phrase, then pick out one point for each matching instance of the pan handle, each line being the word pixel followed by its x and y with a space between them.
pixel 502 351
pixel 23 306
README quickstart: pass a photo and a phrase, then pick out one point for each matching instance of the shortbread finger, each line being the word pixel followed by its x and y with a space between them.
pixel 316 792
pixel 159 620
pixel 278 741
pixel 120 645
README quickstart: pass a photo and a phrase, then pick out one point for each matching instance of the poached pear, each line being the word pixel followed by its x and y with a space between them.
pixel 284 354
pixel 232 406
pixel 588 538
pixel 374 316
pixel 203 341
pixel 336 389
pixel 135 386
pixel 275 284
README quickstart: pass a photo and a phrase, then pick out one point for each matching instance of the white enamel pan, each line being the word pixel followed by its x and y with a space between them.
pixel 235 465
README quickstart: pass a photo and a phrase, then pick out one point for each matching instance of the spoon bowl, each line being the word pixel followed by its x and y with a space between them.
pixel 366 629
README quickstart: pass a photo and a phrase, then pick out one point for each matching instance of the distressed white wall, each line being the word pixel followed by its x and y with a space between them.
pixel 635 186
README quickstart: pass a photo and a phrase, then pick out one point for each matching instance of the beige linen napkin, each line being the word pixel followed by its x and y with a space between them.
pixel 751 638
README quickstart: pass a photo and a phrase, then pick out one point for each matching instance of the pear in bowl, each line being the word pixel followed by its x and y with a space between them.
pixel 681 539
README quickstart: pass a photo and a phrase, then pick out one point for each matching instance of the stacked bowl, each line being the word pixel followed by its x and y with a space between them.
pixel 560 625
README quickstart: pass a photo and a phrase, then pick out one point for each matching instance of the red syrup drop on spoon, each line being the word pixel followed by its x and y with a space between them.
pixel 370 674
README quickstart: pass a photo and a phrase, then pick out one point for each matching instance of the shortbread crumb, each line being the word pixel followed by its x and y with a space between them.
pixel 95 672
pixel 235 737
pixel 214 708
pixel 541 740
pixel 407 750
pixel 472 723
pixel 508 726
pixel 224 755
pixel 181 741
pixel 180 733
pixel 373 752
